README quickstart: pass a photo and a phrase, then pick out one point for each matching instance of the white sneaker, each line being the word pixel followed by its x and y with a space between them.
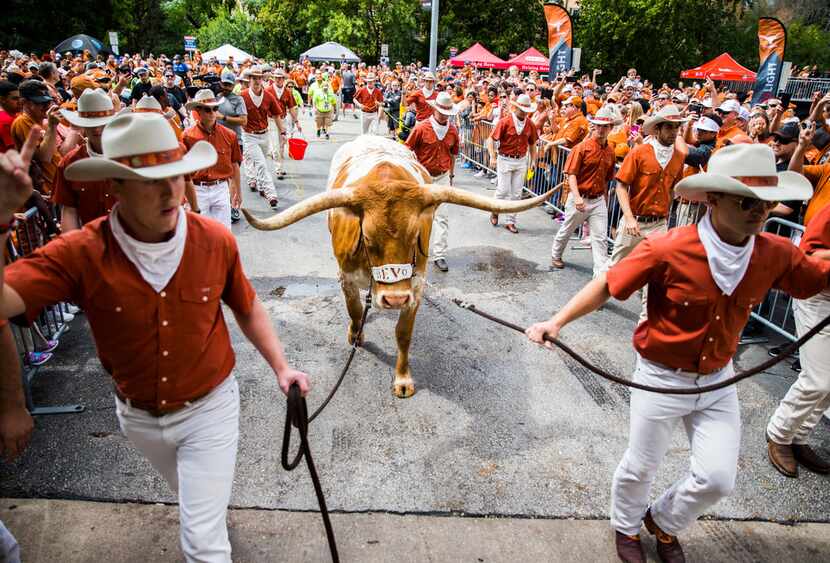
pixel 479 174
pixel 68 317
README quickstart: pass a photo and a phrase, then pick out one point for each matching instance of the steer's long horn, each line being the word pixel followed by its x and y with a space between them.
pixel 341 197
pixel 450 194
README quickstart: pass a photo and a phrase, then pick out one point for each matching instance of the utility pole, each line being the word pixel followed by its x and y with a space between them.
pixel 433 37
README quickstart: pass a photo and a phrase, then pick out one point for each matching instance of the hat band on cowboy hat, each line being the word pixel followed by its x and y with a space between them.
pixel 668 114
pixel 746 170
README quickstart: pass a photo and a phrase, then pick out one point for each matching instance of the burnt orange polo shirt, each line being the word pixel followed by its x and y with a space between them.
pixel 817 234
pixel 819 176
pixel 161 349
pixel 227 148
pixel 284 102
pixel 727 133
pixel 423 110
pixel 593 166
pixel 436 156
pixel 650 185
pixel 369 101
pixel 90 199
pixel 510 142
pixel 573 129
pixel 258 116
pixel 692 325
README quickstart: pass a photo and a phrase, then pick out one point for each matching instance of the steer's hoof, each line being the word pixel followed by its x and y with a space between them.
pixel 353 335
pixel 403 388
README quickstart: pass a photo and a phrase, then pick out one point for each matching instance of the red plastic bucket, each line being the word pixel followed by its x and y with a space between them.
pixel 296 148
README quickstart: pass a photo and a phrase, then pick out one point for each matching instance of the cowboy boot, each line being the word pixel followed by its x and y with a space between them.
pixel 630 549
pixel 782 458
pixel 668 548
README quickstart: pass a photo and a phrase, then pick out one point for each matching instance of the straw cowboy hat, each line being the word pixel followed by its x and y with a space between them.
pixel 745 170
pixel 606 115
pixel 524 103
pixel 371 77
pixel 443 103
pixel 147 104
pixel 279 73
pixel 428 76
pixel 255 70
pixel 141 146
pixel 203 98
pixel 668 114
pixel 94 109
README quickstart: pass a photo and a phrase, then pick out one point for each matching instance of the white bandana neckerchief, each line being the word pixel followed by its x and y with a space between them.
pixel 519 125
pixel 661 152
pixel 440 130
pixel 256 99
pixel 727 263
pixel 427 93
pixel 157 262
pixel 279 91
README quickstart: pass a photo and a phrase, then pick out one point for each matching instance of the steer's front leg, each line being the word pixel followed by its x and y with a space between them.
pixel 351 293
pixel 403 387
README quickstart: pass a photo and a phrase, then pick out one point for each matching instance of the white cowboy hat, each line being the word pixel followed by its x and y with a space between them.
pixel 94 109
pixel 745 170
pixel 255 70
pixel 443 104
pixel 668 114
pixel 141 146
pixel 279 73
pixel 428 76
pixel 204 97
pixel 606 115
pixel 371 77
pixel 147 104
pixel 524 103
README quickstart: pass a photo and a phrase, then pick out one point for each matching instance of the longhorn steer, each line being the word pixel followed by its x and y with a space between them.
pixel 381 205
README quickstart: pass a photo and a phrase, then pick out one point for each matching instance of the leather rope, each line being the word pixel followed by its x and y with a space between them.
pixel 789 349
pixel 296 415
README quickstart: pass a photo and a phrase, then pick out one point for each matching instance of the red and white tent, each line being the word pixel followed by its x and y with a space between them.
pixel 480 57
pixel 722 67
pixel 530 60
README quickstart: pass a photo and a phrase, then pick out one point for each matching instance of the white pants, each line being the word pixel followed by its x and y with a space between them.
pixel 194 449
pixel 511 173
pixel 276 127
pixel 713 426
pixel 215 202
pixel 369 121
pixel 809 397
pixel 596 212
pixel 440 224
pixel 255 164
pixel 625 243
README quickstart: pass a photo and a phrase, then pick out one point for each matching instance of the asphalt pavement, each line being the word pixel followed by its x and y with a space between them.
pixel 499 430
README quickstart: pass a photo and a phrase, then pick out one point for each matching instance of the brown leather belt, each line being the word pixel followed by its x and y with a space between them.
pixel 211 183
pixel 649 218
pixel 262 132
pixel 151 408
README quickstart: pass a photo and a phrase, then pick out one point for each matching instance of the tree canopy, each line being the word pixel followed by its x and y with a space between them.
pixel 658 37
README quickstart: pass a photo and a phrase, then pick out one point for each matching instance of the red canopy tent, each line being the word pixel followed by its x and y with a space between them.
pixel 530 60
pixel 480 57
pixel 722 67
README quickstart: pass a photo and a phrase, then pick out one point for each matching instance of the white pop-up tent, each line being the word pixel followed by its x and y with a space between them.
pixel 226 51
pixel 331 52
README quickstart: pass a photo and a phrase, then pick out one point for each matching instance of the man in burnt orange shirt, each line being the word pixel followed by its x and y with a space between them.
pixel 573 127
pixel 436 144
pixel 645 182
pixel 369 99
pixel 260 105
pixel 704 280
pixel 151 279
pixel 590 168
pixel 83 202
pixel 421 98
pixel 217 188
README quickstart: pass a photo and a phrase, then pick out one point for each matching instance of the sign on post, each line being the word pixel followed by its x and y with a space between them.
pixel 384 50
pixel 576 58
pixel 453 52
pixel 114 41
pixel 189 43
pixel 426 5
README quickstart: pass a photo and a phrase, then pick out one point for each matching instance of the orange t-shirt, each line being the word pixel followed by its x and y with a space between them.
pixel 819 176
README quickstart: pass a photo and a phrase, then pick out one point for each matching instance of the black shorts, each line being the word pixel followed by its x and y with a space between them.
pixel 348 95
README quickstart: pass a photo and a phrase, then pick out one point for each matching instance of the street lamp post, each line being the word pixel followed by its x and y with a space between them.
pixel 433 37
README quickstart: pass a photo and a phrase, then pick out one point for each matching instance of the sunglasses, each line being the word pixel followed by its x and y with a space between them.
pixel 749 203
pixel 207 109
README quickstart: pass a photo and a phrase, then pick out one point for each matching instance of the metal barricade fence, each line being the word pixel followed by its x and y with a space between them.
pixel 774 313
pixel 802 89
pixel 30 234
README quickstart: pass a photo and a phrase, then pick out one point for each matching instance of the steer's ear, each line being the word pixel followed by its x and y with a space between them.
pixel 344 226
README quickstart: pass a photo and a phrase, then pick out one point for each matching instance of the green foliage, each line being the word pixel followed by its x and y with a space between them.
pixel 236 27
pixel 808 45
